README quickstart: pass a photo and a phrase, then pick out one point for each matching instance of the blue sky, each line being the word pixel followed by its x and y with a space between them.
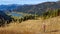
pixel 23 1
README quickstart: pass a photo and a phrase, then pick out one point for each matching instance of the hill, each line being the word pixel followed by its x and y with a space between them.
pixel 38 8
pixel 52 26
pixel 4 18
pixel 8 8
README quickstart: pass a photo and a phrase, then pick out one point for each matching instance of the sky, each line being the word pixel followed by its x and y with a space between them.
pixel 6 2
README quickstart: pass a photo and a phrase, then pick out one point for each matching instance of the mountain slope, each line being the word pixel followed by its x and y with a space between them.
pixel 52 26
pixel 8 8
pixel 4 18
pixel 38 8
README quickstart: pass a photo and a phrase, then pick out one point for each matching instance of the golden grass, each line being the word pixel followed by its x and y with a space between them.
pixel 33 27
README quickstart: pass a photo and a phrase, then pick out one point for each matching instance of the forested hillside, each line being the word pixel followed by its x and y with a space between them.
pixel 38 8
pixel 4 18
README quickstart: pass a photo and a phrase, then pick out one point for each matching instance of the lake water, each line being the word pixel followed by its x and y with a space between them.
pixel 15 14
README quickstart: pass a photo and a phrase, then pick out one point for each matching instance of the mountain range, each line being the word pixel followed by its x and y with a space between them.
pixel 31 9
pixel 37 8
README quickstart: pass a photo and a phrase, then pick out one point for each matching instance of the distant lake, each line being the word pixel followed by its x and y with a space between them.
pixel 15 14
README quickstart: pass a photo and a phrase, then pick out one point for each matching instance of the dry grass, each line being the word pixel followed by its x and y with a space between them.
pixel 33 27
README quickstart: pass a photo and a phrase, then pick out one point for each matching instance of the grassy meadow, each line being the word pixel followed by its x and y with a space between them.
pixel 33 27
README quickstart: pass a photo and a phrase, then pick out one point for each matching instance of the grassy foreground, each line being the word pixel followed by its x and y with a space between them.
pixel 52 26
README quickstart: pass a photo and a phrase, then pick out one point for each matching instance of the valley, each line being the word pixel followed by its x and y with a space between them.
pixel 42 18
